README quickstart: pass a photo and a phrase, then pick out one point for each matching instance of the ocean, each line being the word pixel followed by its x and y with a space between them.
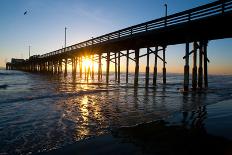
pixel 44 113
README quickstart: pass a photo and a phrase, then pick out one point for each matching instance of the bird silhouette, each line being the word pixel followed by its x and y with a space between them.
pixel 25 12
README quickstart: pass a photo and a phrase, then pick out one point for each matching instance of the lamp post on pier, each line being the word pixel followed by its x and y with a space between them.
pixel 166 13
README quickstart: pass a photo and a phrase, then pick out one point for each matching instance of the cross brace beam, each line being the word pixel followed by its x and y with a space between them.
pixel 156 53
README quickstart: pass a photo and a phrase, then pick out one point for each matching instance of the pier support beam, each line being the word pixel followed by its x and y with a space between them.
pixel 205 64
pixel 60 66
pixel 80 66
pixel 115 66
pixel 52 67
pixel 119 66
pixel 72 61
pixel 155 67
pixel 55 67
pixel 194 72
pixel 107 67
pixel 99 67
pixel 200 69
pixel 127 64
pixel 42 67
pixel 88 73
pixel 85 71
pixel 186 68
pixel 136 78
pixel 93 67
pixel 65 66
pixel 74 65
pixel 164 67
pixel 147 69
pixel 45 65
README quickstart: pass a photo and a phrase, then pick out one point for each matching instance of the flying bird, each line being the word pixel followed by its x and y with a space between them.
pixel 25 12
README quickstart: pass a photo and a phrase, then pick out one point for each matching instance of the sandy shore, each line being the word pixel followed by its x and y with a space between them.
pixel 105 144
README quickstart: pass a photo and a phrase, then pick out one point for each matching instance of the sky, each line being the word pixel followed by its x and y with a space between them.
pixel 43 27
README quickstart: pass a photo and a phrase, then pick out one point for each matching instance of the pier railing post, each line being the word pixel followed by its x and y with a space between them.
pixel 194 72
pixel 186 68
pixel 205 64
pixel 155 67
pixel 147 69
pixel 136 78
pixel 164 67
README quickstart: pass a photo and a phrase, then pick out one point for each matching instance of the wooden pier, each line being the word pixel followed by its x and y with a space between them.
pixel 194 27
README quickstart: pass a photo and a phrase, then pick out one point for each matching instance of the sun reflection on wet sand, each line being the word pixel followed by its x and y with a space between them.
pixel 84 112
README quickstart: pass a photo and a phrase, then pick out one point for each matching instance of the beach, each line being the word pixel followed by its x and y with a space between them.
pixel 44 114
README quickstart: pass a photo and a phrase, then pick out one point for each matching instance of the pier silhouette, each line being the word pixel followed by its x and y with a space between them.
pixel 195 26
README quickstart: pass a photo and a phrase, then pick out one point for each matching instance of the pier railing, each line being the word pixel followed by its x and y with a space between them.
pixel 211 9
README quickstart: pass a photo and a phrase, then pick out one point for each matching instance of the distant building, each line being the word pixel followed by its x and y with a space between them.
pixel 14 64
pixel 15 61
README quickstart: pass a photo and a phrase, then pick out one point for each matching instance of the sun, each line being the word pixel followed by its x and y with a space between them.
pixel 86 62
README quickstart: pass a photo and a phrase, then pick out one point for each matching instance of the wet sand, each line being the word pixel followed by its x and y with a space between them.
pixel 104 144
pixel 177 135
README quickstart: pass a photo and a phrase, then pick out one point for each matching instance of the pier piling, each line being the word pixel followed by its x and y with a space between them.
pixel 155 67
pixel 60 66
pixel 119 57
pixel 200 69
pixel 66 66
pixel 127 64
pixel 164 67
pixel 194 71
pixel 99 67
pixel 80 66
pixel 107 67
pixel 93 67
pixel 136 78
pixel 115 66
pixel 205 64
pixel 186 68
pixel 147 69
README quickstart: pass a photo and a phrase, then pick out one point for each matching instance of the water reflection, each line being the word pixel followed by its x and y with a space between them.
pixel 102 106
pixel 185 134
